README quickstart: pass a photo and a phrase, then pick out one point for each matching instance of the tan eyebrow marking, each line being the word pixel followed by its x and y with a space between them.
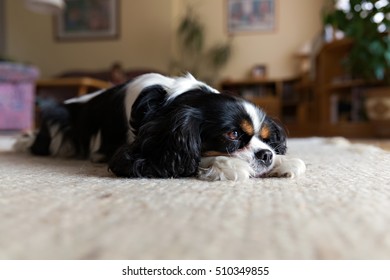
pixel 247 127
pixel 265 132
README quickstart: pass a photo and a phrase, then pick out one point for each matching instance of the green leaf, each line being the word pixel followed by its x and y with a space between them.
pixel 379 73
pixel 219 55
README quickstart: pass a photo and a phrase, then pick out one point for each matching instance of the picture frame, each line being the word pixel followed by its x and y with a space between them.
pixel 251 16
pixel 88 20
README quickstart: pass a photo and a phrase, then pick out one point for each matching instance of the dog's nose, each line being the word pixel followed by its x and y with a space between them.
pixel 265 156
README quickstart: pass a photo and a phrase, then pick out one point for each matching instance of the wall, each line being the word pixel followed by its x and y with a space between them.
pixel 147 37
pixel 297 22
pixel 2 28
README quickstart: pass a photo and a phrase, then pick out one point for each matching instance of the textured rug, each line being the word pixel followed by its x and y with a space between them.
pixel 68 209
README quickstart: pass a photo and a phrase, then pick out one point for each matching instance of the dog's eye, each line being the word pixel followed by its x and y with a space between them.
pixel 232 135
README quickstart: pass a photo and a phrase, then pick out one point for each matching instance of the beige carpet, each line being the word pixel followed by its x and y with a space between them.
pixel 67 209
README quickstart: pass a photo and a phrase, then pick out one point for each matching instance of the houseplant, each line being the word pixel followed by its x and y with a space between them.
pixel 367 23
pixel 192 54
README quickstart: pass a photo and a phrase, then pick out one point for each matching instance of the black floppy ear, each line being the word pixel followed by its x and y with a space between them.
pixel 276 136
pixel 145 106
pixel 168 146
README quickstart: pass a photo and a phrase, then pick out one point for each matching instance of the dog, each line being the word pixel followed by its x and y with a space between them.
pixel 156 126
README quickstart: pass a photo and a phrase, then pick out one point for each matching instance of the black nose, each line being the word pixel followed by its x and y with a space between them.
pixel 265 156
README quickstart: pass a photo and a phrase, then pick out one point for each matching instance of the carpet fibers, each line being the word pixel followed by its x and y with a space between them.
pixel 71 209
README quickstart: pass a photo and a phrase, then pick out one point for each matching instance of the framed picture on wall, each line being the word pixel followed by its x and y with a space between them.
pixel 87 20
pixel 251 16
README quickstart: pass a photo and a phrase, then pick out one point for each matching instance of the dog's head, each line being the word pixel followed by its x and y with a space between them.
pixel 172 136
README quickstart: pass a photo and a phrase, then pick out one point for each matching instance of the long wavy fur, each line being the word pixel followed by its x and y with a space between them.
pixel 167 147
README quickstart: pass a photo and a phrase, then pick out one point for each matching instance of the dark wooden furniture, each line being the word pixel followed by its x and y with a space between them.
pixel 60 89
pixel 269 94
pixel 338 98
pixel 76 86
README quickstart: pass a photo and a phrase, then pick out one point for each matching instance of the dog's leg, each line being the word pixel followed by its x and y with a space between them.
pixel 223 168
pixel 287 167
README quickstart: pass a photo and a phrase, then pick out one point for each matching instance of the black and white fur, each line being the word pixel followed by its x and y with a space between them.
pixel 158 126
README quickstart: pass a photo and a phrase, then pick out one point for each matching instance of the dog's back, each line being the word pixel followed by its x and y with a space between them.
pixel 97 124
pixel 90 126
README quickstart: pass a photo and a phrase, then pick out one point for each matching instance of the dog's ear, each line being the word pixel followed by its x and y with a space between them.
pixel 169 146
pixel 276 136
pixel 146 105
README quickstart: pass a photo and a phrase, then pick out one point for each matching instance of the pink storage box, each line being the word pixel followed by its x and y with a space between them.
pixel 17 95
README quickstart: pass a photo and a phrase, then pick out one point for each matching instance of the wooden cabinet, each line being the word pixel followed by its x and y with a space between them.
pixel 339 99
pixel 60 89
pixel 64 88
pixel 269 94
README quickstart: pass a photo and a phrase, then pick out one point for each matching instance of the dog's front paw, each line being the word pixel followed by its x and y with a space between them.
pixel 287 167
pixel 222 168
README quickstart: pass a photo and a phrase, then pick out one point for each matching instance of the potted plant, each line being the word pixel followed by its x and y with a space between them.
pixel 367 23
pixel 193 57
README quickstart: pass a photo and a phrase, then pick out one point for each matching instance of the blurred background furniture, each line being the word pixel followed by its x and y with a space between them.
pixel 269 94
pixel 64 88
pixel 110 74
pixel 339 98
pixel 79 82
pixel 17 87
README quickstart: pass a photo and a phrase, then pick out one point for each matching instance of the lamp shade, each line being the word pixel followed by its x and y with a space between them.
pixel 45 6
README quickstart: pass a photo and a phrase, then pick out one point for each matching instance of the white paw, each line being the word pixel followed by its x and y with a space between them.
pixel 287 167
pixel 24 142
pixel 222 168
